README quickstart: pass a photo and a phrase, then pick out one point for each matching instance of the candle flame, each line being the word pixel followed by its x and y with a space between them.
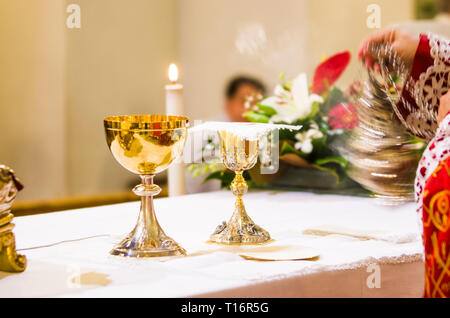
pixel 173 73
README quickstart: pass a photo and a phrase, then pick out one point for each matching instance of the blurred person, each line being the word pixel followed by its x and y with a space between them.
pixel 237 91
pixel 428 57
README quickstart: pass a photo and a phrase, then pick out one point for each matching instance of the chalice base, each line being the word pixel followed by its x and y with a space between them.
pixel 240 230
pixel 131 247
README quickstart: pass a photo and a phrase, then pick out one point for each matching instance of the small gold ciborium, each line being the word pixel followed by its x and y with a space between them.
pixel 146 145
pixel 239 154
pixel 10 261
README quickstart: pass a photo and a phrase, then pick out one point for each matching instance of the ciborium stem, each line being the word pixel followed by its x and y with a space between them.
pixel 240 229
pixel 147 238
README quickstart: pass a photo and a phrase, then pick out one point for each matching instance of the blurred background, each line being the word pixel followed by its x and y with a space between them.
pixel 57 83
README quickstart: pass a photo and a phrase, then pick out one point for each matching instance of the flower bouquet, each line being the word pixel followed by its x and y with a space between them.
pixel 308 158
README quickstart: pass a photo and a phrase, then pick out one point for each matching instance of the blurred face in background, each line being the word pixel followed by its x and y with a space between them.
pixel 235 105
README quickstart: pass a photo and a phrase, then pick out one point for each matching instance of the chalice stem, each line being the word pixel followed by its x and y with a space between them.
pixel 239 187
pixel 240 219
pixel 147 238
pixel 147 220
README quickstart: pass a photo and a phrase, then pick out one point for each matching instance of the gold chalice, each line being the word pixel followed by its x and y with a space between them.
pixel 146 145
pixel 239 154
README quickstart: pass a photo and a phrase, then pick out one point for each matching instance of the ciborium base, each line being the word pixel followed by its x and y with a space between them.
pixel 240 229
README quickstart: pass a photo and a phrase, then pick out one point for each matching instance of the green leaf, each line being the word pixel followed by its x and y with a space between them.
pixel 256 117
pixel 287 148
pixel 395 78
pixel 205 169
pixel 334 97
pixel 191 168
pixel 214 175
pixel 320 147
pixel 315 108
pixel 196 173
pixel 225 178
pixel 415 140
pixel 338 160
pixel 286 134
pixel 267 110
pixel 334 165
pixel 333 171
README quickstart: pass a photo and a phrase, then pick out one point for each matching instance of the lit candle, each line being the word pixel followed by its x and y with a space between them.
pixel 174 93
pixel 175 106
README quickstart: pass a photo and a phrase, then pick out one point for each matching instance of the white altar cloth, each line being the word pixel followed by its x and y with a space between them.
pixel 84 268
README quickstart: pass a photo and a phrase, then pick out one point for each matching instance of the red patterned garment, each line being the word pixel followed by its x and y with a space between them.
pixel 434 207
pixel 430 79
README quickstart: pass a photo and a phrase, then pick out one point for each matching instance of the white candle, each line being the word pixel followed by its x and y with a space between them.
pixel 174 93
pixel 175 106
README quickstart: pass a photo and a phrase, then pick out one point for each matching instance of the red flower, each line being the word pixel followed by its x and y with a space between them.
pixel 329 71
pixel 343 116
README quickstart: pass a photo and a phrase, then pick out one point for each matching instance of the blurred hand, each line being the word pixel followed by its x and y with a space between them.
pixel 444 106
pixel 404 44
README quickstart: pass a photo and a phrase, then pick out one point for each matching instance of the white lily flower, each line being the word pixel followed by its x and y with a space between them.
pixel 304 143
pixel 280 91
pixel 294 105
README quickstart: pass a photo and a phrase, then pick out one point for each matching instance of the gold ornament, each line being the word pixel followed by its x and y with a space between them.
pixel 10 261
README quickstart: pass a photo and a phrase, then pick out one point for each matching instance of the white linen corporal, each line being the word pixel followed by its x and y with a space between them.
pixel 394 236
pixel 247 131
pixel 83 268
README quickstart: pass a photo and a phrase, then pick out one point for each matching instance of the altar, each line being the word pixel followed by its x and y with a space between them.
pixel 377 253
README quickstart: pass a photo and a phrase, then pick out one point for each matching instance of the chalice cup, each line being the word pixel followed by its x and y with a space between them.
pixel 239 154
pixel 146 145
